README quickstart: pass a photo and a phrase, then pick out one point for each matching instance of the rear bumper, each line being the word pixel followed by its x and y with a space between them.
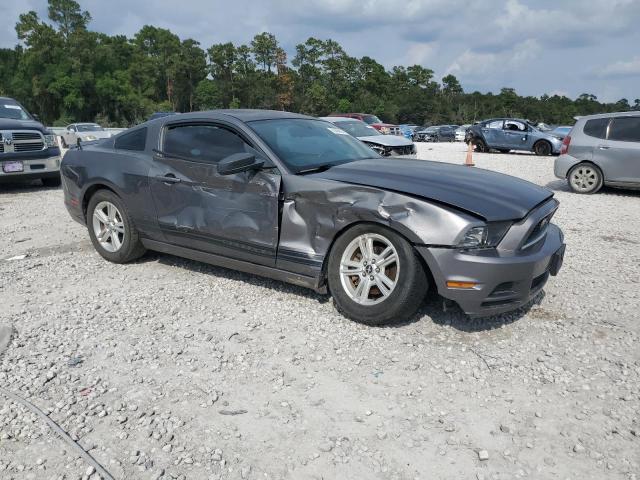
pixel 563 164
pixel 504 283
pixel 34 168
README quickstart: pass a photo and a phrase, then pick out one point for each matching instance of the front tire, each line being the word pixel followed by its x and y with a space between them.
pixel 585 178
pixel 112 232
pixel 375 276
pixel 480 145
pixel 542 148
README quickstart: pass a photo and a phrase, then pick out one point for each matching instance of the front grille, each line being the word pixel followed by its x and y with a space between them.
pixel 406 150
pixel 21 141
pixel 26 136
pixel 28 147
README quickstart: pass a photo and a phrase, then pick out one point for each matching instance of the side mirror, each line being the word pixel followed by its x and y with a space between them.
pixel 35 117
pixel 239 162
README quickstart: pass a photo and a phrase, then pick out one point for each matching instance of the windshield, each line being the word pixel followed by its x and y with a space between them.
pixel 307 144
pixel 13 111
pixel 562 129
pixel 370 119
pixel 90 128
pixel 357 128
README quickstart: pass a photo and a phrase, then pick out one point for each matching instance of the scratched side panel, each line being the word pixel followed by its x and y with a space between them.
pixel 316 210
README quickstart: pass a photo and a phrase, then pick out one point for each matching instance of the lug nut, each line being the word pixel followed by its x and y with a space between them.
pixel 371 277
pixel 377 270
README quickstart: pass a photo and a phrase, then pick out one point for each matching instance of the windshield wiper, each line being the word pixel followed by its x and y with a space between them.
pixel 319 168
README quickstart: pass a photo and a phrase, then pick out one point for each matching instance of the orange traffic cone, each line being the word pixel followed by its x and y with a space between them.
pixel 469 160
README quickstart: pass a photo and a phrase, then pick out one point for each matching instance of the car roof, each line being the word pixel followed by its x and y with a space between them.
pixel 609 115
pixel 242 114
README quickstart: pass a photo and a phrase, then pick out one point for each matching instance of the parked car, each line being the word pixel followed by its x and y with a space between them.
pixel 407 130
pixel 385 145
pixel 294 198
pixel 461 132
pixel 85 132
pixel 437 133
pixel 374 121
pixel 601 150
pixel 28 151
pixel 506 134
pixel 560 132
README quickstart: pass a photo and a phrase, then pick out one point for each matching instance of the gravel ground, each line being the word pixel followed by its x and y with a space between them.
pixel 166 368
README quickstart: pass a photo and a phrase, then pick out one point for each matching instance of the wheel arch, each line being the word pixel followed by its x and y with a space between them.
pixel 396 228
pixel 91 190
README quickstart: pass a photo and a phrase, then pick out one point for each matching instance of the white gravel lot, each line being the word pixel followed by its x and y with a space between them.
pixel 167 368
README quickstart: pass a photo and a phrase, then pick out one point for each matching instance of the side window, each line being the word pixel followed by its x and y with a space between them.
pixel 625 129
pixel 515 126
pixel 596 127
pixel 495 124
pixel 135 140
pixel 203 143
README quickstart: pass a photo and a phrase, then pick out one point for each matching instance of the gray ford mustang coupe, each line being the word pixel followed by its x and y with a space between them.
pixel 293 198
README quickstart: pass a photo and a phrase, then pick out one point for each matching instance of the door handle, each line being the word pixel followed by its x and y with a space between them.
pixel 169 179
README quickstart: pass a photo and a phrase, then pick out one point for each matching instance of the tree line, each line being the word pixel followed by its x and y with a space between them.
pixel 65 72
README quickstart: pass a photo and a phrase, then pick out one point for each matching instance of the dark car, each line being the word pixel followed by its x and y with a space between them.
pixel 437 133
pixel 157 115
pixel 28 151
pixel 506 134
pixel 295 198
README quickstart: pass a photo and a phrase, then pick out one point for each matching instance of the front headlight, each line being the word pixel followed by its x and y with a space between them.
pixel 50 141
pixel 379 149
pixel 486 236
pixel 89 138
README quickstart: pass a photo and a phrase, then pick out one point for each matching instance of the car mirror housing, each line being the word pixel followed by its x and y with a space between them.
pixel 239 162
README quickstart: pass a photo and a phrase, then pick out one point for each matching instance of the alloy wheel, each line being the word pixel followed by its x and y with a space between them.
pixel 108 226
pixel 369 269
pixel 584 178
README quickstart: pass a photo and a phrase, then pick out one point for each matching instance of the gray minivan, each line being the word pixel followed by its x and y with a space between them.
pixel 601 150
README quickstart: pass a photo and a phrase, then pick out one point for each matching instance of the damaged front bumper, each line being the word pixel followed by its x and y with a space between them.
pixel 502 282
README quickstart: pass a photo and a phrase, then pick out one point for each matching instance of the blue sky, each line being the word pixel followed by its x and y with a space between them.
pixel 566 47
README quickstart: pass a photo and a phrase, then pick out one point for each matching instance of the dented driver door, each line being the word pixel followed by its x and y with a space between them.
pixel 231 215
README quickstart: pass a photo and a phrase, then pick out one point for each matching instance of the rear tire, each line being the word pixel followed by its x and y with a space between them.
pixel 585 178
pixel 542 148
pixel 385 284
pixel 108 217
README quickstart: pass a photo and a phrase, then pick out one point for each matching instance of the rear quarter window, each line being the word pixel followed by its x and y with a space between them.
pixel 135 141
pixel 596 127
pixel 625 129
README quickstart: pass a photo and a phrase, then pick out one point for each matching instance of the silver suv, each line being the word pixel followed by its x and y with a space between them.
pixel 601 150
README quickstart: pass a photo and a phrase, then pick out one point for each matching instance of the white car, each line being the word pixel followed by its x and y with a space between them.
pixel 385 145
pixel 461 132
pixel 86 132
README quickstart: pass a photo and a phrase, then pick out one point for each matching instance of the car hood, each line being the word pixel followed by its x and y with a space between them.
pixel 387 140
pixel 490 195
pixel 10 124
